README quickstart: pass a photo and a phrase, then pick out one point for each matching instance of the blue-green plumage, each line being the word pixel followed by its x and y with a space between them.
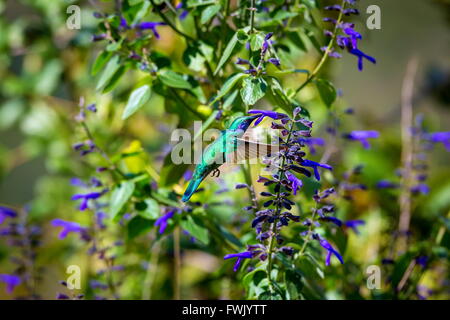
pixel 216 153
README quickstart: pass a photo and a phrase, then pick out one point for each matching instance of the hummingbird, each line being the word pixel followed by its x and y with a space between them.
pixel 227 148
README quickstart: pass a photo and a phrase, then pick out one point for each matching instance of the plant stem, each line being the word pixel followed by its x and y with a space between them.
pixel 407 154
pixel 328 49
pixel 151 271
pixel 171 24
pixel 273 225
pixel 252 15
pixel 177 263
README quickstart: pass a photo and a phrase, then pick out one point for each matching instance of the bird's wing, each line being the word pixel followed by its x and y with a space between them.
pixel 250 150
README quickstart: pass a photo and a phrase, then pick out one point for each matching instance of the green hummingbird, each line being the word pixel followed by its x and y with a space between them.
pixel 227 148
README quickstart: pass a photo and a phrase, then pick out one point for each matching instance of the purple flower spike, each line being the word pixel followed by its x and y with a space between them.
pixel 315 165
pixel 11 281
pixel 162 222
pixel 86 197
pixel 326 245
pixel 68 227
pixel 150 25
pixel 240 256
pixel 266 113
pixel 353 224
pixel 362 136
pixel 296 183
pixel 6 212
pixel 440 137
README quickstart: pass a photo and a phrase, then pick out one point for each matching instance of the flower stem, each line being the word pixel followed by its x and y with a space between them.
pixel 252 15
pixel 273 226
pixel 177 263
pixel 328 49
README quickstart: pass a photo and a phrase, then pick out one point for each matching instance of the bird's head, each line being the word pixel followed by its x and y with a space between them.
pixel 242 123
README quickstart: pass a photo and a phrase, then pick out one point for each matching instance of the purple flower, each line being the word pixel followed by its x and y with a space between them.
pixel 274 61
pixel 296 183
pixel 11 281
pixel 240 256
pixel 420 188
pixel 187 175
pixel 311 142
pixel 353 224
pixel 326 245
pixel 361 55
pixel 6 212
pixel 150 25
pixel 86 197
pixel 242 61
pixel 266 42
pixel 184 12
pixel 385 184
pixel 123 23
pixel 162 221
pixel 362 136
pixel 68 227
pixel 422 261
pixel 440 137
pixel 266 113
pixel 315 165
pixel 334 220
pixel 92 107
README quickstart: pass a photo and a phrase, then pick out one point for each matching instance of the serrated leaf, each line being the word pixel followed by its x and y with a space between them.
pixel 253 89
pixel 197 231
pixel 119 197
pixel 326 91
pixel 136 100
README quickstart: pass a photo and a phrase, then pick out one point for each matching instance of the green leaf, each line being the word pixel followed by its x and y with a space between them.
pixel 296 40
pixel 197 231
pixel 193 58
pixel 252 90
pixel 174 80
pixel 138 226
pixel 111 68
pixel 228 85
pixel 256 41
pixel 137 99
pixel 294 285
pixel 100 62
pixel 115 79
pixel 313 40
pixel 227 52
pixel 151 210
pixel 327 91
pixel 119 197
pixel 209 12
pixel 290 71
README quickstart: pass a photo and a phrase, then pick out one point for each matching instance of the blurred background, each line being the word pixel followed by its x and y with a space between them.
pixel 45 68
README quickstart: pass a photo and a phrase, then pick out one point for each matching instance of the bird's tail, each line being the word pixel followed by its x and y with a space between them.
pixel 192 187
